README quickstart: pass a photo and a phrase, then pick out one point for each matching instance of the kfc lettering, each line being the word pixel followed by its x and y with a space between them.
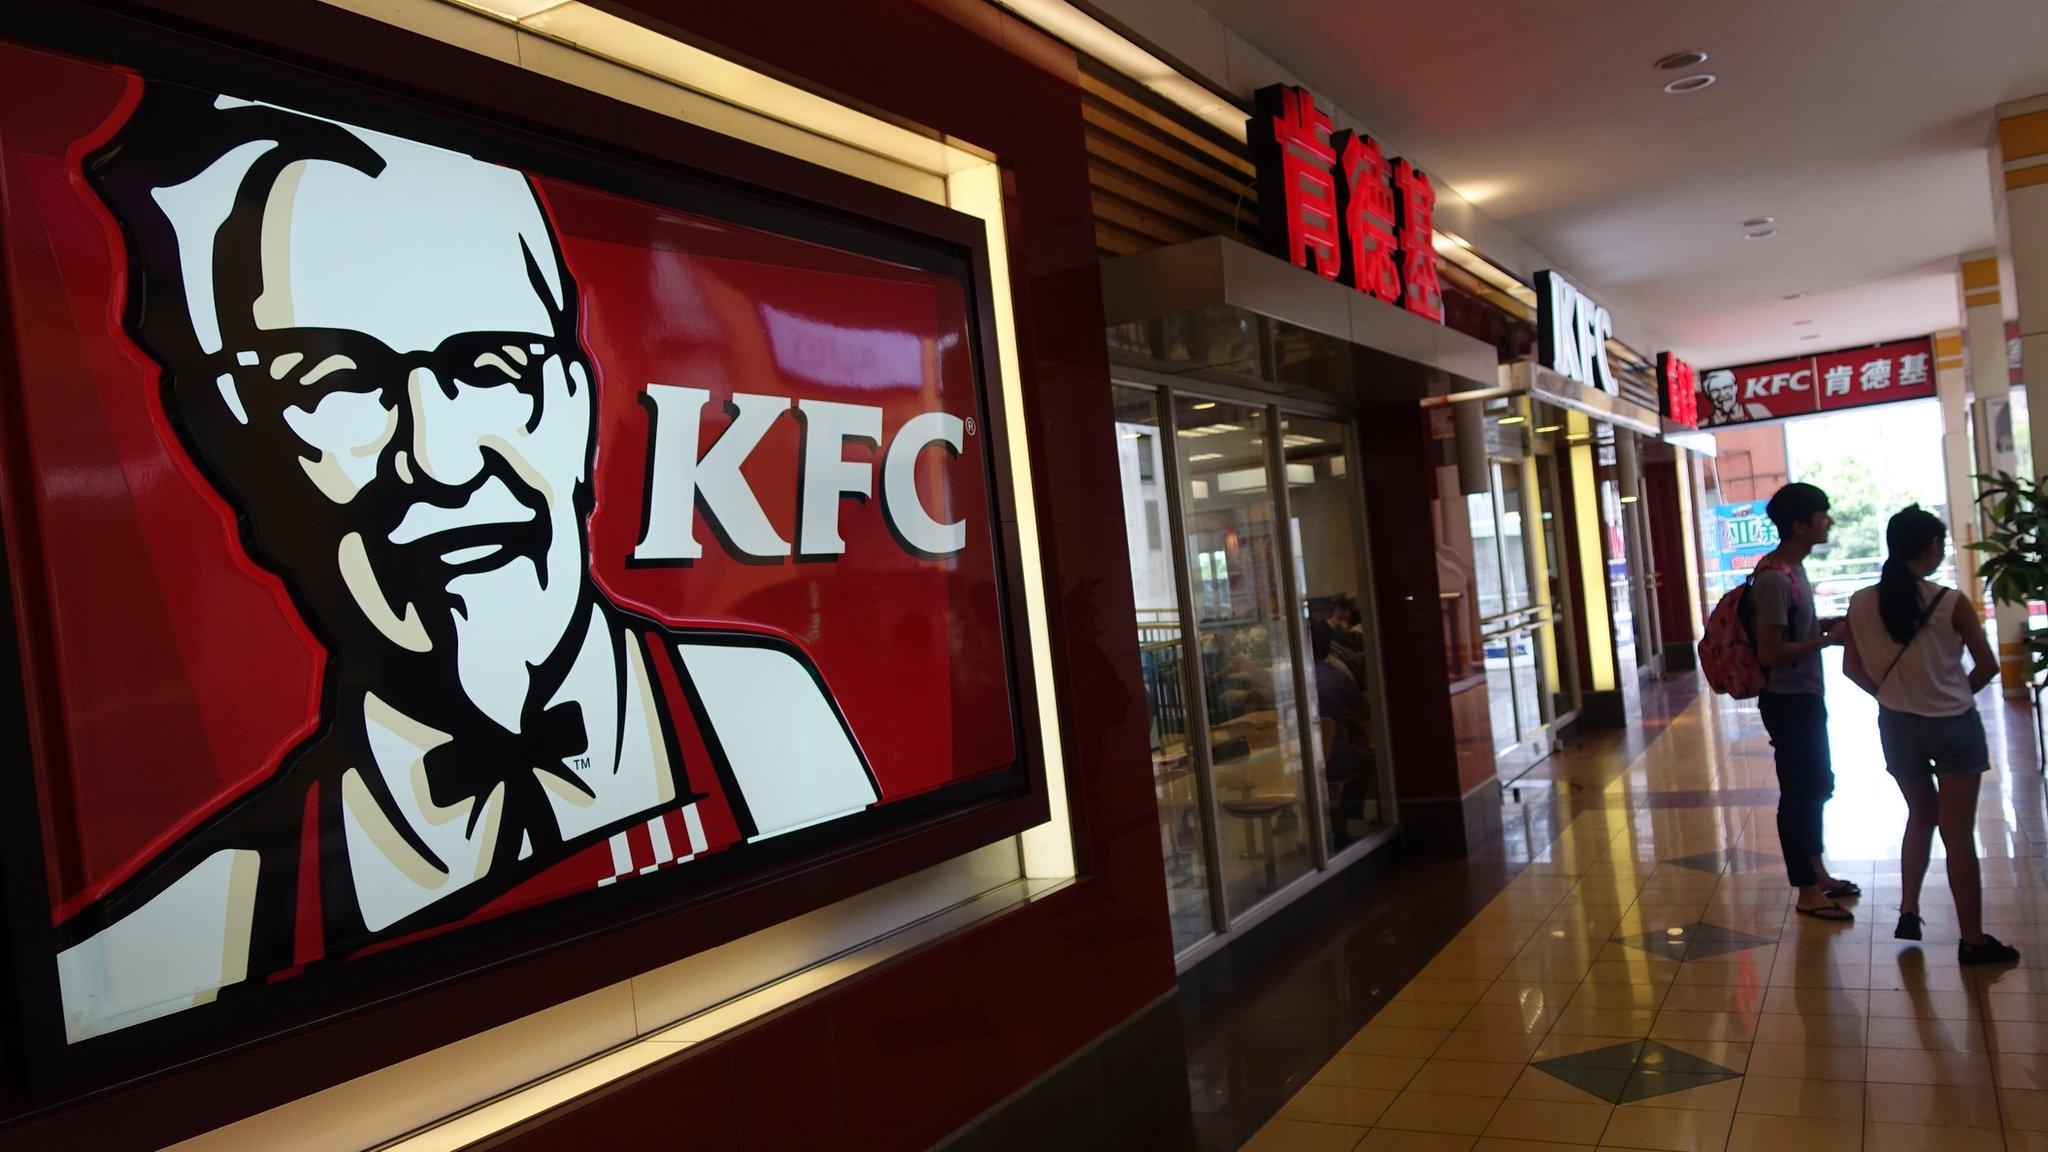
pixel 678 477
pixel 1337 206
pixel 1572 333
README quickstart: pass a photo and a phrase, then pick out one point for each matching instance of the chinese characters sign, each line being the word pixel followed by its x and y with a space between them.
pixel 1678 390
pixel 479 550
pixel 1336 205
pixel 1902 370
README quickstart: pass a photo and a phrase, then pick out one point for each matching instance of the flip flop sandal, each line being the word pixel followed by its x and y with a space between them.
pixel 1845 888
pixel 1832 913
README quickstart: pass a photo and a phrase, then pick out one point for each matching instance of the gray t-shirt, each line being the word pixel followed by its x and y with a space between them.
pixel 1776 603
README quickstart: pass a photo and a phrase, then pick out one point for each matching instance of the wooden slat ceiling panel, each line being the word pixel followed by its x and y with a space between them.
pixel 1156 181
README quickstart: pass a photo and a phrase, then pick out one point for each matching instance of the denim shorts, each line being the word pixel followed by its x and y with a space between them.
pixel 1916 747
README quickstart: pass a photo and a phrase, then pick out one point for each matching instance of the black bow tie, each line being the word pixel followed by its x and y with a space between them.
pixel 480 759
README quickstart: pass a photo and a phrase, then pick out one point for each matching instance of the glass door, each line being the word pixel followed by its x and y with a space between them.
pixel 1559 665
pixel 1185 829
pixel 1325 507
pixel 1516 625
pixel 1250 579
pixel 1244 637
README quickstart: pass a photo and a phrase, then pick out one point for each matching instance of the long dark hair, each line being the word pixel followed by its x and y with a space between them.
pixel 1906 535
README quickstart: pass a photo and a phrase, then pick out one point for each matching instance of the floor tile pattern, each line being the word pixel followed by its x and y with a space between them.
pixel 1639 981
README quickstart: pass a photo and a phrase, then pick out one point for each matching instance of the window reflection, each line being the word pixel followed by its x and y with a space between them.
pixel 1182 817
pixel 1323 499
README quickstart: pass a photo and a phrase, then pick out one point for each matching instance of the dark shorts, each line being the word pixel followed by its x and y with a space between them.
pixel 1918 747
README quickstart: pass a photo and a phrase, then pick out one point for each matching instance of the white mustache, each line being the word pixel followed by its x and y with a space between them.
pixel 492 503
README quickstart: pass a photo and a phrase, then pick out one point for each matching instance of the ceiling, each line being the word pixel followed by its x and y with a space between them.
pixel 1862 126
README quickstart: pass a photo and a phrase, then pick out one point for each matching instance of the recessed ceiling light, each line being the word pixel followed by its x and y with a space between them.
pixel 1678 60
pixel 1811 336
pixel 1690 83
pixel 1793 296
pixel 1799 322
pixel 1759 233
pixel 1759 221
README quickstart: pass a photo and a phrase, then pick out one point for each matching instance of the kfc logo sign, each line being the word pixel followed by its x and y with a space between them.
pixel 1836 380
pixel 1335 204
pixel 680 478
pixel 489 540
pixel 1678 389
pixel 1572 333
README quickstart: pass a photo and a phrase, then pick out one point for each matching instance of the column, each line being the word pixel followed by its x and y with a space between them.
pixel 2022 170
pixel 1990 391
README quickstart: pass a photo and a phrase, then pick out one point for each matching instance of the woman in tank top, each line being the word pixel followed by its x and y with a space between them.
pixel 1906 640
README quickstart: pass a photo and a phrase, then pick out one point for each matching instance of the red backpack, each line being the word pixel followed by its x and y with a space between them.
pixel 1728 650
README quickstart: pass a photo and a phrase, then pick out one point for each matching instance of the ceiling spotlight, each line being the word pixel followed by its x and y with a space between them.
pixel 1811 336
pixel 1796 323
pixel 1793 296
pixel 1677 60
pixel 1759 221
pixel 1759 233
pixel 1690 83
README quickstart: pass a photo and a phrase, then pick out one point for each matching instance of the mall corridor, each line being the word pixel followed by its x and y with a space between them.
pixel 1641 982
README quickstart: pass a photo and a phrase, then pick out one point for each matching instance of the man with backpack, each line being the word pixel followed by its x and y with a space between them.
pixel 1789 639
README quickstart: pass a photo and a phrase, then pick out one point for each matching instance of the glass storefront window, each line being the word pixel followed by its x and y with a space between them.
pixel 1241 629
pixel 1323 501
pixel 1182 815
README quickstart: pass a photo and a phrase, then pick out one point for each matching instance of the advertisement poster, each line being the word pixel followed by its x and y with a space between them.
pixel 414 548
pixel 1742 533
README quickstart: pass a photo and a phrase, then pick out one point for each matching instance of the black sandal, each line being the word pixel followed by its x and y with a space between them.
pixel 1909 926
pixel 1845 888
pixel 1830 912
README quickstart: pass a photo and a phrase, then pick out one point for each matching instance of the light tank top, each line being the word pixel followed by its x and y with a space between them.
pixel 1930 679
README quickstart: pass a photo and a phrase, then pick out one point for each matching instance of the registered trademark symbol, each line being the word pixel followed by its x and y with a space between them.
pixel 970 425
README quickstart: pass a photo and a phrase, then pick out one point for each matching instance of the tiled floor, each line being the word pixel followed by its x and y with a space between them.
pixel 1641 983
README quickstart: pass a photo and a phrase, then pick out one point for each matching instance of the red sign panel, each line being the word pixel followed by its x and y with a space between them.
pixel 1678 390
pixel 411 544
pixel 1902 370
pixel 1758 392
pixel 1338 207
pixel 1899 371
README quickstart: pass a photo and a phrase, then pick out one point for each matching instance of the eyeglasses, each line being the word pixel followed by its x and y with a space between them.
pixel 298 366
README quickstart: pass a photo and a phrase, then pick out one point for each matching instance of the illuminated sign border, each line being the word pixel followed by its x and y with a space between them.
pixel 731 181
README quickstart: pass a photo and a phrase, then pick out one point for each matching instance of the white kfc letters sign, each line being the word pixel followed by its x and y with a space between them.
pixel 680 478
pixel 1572 333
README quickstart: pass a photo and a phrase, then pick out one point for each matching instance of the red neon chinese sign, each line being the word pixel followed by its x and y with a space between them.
pixel 1293 140
pixel 1679 390
pixel 1338 207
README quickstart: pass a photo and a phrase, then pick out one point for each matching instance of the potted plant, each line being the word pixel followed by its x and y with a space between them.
pixel 2015 548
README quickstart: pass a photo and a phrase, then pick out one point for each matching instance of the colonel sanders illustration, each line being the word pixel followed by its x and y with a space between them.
pixel 370 348
pixel 1721 390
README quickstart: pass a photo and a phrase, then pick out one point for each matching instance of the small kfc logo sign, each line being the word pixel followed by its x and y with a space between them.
pixel 1849 379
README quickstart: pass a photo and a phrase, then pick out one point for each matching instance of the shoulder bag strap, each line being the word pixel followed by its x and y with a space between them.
pixel 1927 614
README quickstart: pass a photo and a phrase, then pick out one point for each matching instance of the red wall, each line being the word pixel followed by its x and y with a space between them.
pixel 904 1055
pixel 1667 545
